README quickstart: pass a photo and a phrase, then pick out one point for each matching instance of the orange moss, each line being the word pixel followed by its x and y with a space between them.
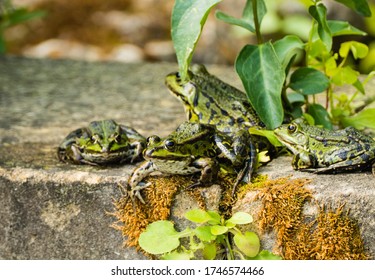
pixel 331 235
pixel 158 197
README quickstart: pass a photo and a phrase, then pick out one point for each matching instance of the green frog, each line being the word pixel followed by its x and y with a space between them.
pixel 191 148
pixel 209 100
pixel 321 150
pixel 102 142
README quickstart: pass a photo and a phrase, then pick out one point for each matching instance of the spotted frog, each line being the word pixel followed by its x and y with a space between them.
pixel 102 142
pixel 321 150
pixel 209 100
pixel 191 148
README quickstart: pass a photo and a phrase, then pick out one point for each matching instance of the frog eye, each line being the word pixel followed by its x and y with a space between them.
pixel 178 76
pixel 292 128
pixel 153 139
pixel 169 144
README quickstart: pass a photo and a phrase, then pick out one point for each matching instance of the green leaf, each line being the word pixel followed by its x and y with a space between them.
pixel 320 115
pixel 319 13
pixel 247 19
pixel 306 80
pixel 188 19
pixel 288 47
pixel 175 255
pixel 360 6
pixel 344 76
pixel 362 120
pixel 209 251
pixel 358 49
pixel 20 15
pixel 159 237
pixel 269 134
pixel 339 28
pixel 359 86
pixel 218 230
pixel 266 255
pixel 204 233
pixel 198 216
pixel 240 218
pixel 247 243
pixel 215 217
pixel 263 77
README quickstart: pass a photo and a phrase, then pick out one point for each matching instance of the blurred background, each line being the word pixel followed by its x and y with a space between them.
pixel 139 30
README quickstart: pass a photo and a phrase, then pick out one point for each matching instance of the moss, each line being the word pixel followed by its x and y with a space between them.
pixel 158 197
pixel 331 235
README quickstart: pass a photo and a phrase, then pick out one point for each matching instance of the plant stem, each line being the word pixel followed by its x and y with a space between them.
pixel 230 254
pixel 256 21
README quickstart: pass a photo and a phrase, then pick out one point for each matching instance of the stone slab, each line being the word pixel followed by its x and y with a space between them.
pixel 52 210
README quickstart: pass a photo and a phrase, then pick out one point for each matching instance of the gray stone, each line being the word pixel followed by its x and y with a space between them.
pixel 52 210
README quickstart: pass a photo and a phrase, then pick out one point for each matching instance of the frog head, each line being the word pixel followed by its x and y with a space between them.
pixel 104 137
pixel 293 135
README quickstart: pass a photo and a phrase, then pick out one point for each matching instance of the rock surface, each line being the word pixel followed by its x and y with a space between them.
pixel 52 210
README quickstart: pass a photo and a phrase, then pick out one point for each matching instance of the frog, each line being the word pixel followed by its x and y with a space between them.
pixel 209 100
pixel 191 148
pixel 320 150
pixel 102 142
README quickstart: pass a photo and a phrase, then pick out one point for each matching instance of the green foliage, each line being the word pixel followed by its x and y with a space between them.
pixel 264 69
pixel 188 18
pixel 10 16
pixel 211 237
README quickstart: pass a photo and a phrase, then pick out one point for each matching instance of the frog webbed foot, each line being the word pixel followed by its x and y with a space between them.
pixel 135 192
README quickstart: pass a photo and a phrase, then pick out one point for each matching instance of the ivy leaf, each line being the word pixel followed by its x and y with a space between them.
pixel 359 6
pixel 306 80
pixel 344 75
pixel 287 47
pixel 159 237
pixel 247 19
pixel 320 115
pixel 319 13
pixel 263 77
pixel 269 134
pixel 363 119
pixel 188 19
pixel 358 49
pixel 339 28
pixel 248 243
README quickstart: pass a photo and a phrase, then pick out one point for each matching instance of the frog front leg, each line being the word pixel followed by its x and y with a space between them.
pixel 137 176
pixel 241 151
pixel 209 169
pixel 233 148
pixel 137 149
pixel 303 161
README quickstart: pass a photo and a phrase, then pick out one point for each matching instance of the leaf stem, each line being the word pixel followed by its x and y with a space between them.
pixel 256 22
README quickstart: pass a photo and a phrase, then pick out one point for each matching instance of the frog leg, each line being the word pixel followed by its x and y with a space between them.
pixel 209 169
pixel 137 148
pixel 135 179
pixel 351 165
pixel 246 172
pixel 233 148
pixel 303 161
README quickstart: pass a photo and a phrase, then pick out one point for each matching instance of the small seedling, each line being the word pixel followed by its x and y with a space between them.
pixel 212 238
